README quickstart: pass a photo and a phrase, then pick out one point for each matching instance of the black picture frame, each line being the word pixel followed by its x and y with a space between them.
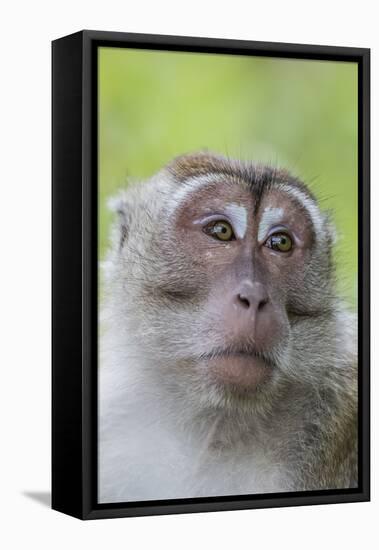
pixel 74 271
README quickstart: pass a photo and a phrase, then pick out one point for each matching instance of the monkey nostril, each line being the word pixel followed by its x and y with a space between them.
pixel 243 301
pixel 248 302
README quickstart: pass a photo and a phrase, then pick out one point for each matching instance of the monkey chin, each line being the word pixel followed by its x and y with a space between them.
pixel 239 372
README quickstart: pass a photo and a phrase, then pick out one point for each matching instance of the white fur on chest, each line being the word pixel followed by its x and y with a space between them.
pixel 144 453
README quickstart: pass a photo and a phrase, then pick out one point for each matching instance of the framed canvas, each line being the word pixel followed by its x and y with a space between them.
pixel 210 275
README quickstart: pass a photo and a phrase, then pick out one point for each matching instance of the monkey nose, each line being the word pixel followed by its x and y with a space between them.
pixel 251 296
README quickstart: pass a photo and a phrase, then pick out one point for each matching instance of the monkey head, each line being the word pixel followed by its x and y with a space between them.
pixel 221 277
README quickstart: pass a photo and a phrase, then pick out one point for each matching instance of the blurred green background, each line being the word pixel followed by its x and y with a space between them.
pixel 294 113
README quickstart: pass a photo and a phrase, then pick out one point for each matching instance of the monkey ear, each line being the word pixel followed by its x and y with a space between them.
pixel 121 207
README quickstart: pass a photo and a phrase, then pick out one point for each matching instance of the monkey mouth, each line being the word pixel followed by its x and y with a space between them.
pixel 246 352
pixel 240 368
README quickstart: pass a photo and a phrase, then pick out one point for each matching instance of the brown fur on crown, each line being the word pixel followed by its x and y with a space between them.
pixel 256 176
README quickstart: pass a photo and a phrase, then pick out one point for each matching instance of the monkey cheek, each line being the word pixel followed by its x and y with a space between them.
pixel 241 372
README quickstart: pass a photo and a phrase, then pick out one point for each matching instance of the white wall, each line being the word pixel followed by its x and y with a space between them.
pixel 26 31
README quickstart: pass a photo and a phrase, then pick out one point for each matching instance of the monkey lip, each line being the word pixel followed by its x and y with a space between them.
pixel 239 369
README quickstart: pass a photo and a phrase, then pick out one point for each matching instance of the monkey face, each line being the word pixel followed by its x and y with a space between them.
pixel 247 257
pixel 226 275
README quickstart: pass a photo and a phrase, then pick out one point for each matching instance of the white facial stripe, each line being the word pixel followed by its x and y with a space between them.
pixel 310 206
pixel 190 186
pixel 238 217
pixel 271 216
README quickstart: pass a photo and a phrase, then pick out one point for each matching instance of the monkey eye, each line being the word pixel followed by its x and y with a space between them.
pixel 221 230
pixel 281 242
